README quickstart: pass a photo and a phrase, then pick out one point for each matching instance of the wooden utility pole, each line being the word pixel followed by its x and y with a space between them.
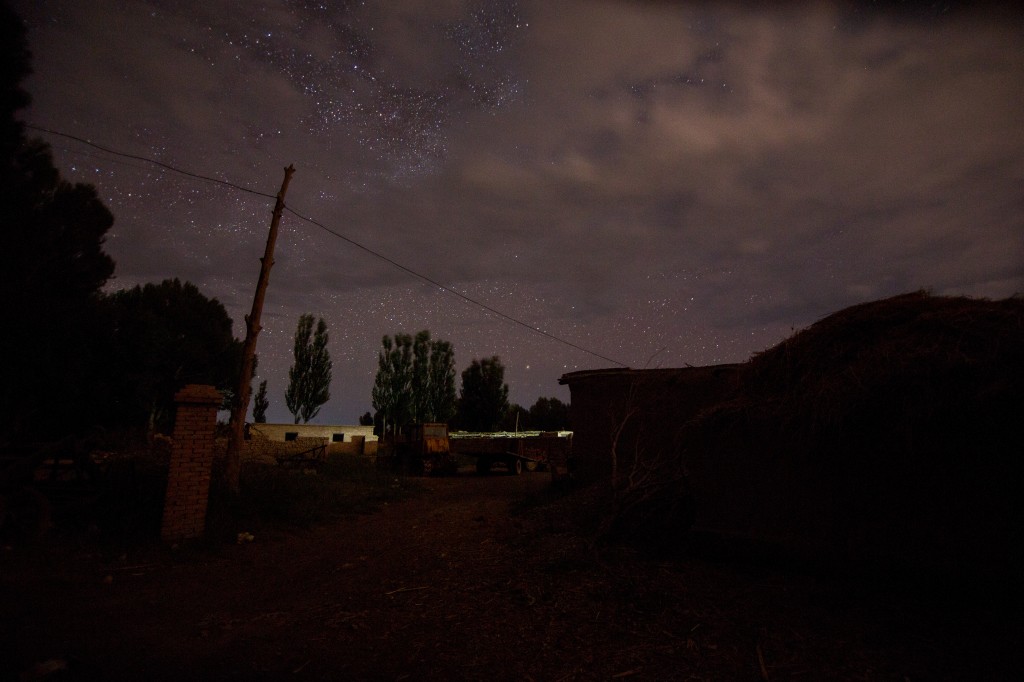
pixel 252 328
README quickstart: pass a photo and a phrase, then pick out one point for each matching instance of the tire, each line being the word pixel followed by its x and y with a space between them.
pixel 515 466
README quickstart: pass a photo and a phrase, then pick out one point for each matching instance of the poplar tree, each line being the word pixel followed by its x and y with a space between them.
pixel 442 400
pixel 382 398
pixel 309 378
pixel 420 377
pixel 415 381
pixel 392 395
pixel 260 403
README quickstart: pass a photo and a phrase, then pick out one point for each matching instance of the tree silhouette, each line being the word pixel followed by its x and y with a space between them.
pixel 309 378
pixel 441 403
pixel 549 414
pixel 260 403
pixel 51 235
pixel 391 388
pixel 420 378
pixel 165 336
pixel 15 66
pixel 415 380
pixel 483 400
pixel 516 418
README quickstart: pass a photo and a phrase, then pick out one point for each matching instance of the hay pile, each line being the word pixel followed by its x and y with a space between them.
pixel 909 363
pixel 892 429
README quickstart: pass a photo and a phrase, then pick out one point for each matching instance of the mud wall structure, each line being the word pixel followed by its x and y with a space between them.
pixel 622 416
pixel 888 433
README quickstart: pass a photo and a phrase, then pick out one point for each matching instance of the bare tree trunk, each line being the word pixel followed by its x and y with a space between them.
pixel 252 329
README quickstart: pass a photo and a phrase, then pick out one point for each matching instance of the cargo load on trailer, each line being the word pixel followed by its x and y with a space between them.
pixel 530 450
pixel 430 448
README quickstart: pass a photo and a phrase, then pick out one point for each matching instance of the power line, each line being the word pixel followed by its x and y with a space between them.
pixel 452 291
pixel 348 240
pixel 147 159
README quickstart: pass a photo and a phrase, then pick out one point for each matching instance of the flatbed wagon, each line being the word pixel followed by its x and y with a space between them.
pixel 529 450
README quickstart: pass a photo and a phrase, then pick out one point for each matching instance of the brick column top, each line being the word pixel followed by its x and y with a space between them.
pixel 201 394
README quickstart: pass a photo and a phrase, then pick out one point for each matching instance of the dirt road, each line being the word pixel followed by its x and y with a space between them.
pixel 460 584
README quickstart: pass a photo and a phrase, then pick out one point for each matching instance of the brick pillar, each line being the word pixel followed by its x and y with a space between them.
pixel 188 481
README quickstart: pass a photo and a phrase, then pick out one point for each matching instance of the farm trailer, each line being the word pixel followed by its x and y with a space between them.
pixel 530 450
pixel 430 448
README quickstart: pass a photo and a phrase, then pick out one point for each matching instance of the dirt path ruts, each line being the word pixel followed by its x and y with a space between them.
pixel 364 596
pixel 452 586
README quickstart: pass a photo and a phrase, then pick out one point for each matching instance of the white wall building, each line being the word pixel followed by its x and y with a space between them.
pixel 333 433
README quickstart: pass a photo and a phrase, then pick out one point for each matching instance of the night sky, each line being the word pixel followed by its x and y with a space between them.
pixel 658 183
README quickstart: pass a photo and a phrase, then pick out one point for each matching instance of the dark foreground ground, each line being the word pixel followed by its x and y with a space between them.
pixel 474 580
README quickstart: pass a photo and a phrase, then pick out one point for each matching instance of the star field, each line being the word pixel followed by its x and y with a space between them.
pixel 659 183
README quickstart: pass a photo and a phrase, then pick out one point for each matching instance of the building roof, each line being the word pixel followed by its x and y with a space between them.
pixel 583 375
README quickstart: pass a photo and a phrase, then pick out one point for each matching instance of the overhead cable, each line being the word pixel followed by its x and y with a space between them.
pixel 348 240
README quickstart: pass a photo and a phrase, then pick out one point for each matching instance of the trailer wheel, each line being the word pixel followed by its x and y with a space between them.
pixel 515 466
pixel 531 465
pixel 483 465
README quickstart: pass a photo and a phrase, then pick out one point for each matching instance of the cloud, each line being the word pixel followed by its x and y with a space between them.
pixel 633 175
